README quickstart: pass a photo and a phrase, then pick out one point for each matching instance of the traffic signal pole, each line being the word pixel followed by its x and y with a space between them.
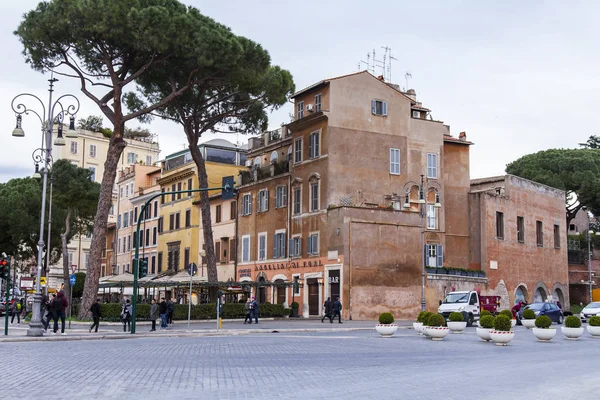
pixel 227 192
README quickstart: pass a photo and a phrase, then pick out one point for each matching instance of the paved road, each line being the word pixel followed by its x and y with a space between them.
pixel 349 365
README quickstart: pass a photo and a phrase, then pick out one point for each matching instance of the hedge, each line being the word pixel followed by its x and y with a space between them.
pixel 112 311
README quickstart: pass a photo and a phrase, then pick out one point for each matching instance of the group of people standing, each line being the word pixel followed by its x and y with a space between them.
pixel 332 310
pixel 251 309
pixel 55 309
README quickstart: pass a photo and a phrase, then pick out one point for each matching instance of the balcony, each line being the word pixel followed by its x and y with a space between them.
pixel 576 257
pixel 258 174
pixel 268 137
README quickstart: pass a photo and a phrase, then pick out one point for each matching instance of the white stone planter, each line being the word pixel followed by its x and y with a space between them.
pixel 484 334
pixel 572 333
pixel 386 330
pixel 528 323
pixel 457 327
pixel 437 332
pixel 594 331
pixel 501 338
pixel 418 327
pixel 544 335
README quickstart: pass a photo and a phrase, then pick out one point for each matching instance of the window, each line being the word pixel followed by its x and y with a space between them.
pixel 135 215
pixel 148 160
pixel 245 248
pixel 379 107
pixel 190 186
pixel 520 230
pixel 147 237
pixel 280 196
pixel 395 161
pixel 141 237
pixel 263 200
pixel 121 192
pixel 126 190
pixel 288 157
pixel 279 245
pixel 188 218
pixel 173 189
pixel 119 221
pixel 93 173
pixel 218 213
pixel 125 245
pixel 435 255
pixel 257 162
pixel 93 150
pixel 125 220
pixel 431 217
pixel 179 190
pixel 274 157
pixel 262 246
pixel 153 265
pixel 233 210
pixel 186 257
pixel 148 211
pixel 155 208
pixel 297 197
pixel 171 222
pixel 160 258
pixel 162 198
pixel 298 150
pixel 173 257
pixel 499 225
pixel 300 110
pixel 247 204
pixel 118 247
pixel 313 145
pixel 73 147
pixel 128 242
pixel 312 244
pixel 556 236
pixel 539 233
pixel 131 217
pixel 296 246
pixel 160 224
pixel 131 188
pixel 177 225
pixel 572 227
pixel 432 169
pixel 154 234
pixel 318 103
pixel 314 196
pixel 131 158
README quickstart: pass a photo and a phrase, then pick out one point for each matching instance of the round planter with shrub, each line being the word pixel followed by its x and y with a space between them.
pixel 436 327
pixel 425 320
pixel 528 319
pixel 486 324
pixel 418 326
pixel 572 329
pixel 542 330
pixel 502 333
pixel 593 327
pixel 456 322
pixel 386 326
pixel 509 314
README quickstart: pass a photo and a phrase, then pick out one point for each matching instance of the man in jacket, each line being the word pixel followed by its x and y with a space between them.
pixel 327 307
pixel 15 310
pixel 337 311
pixel 46 311
pixel 126 311
pixel 59 305
pixel 95 309
pixel 162 309
pixel 253 310
pixel 153 315
pixel 247 311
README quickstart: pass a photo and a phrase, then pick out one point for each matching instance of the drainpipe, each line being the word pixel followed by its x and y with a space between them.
pixel 350 272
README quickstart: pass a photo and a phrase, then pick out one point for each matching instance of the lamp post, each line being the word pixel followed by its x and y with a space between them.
pixel 424 187
pixel 45 156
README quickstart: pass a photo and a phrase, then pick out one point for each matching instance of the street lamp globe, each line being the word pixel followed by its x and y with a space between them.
pixel 60 141
pixel 71 132
pixel 36 174
pixel 18 131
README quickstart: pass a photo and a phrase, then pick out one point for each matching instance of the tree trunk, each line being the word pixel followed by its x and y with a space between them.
pixel 65 255
pixel 115 149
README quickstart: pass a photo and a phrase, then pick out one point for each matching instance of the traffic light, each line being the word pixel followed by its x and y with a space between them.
pixel 143 265
pixel 228 189
pixel 4 268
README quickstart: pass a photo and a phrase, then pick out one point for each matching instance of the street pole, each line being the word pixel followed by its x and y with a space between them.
pixel 6 304
pixel 590 261
pixel 190 299
pixel 48 241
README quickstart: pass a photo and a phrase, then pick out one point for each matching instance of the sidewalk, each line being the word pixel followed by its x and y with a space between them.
pixel 79 330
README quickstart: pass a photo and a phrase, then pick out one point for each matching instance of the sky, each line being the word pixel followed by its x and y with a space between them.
pixel 517 76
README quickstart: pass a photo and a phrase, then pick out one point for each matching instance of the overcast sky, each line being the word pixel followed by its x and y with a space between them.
pixel 517 76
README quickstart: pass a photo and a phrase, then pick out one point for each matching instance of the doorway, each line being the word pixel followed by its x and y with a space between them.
pixel 280 299
pixel 313 296
pixel 262 291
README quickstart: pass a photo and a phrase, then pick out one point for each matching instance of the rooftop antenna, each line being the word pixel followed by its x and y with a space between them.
pixel 370 68
pixel 407 75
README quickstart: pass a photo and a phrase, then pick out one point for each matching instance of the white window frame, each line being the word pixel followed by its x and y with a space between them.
pixel 148 160
pixel 263 200
pixel 93 150
pixel 281 196
pixel 314 145
pixel 394 161
pixel 435 251
pixel 247 204
pixel 312 185
pixel 274 158
pixel 93 170
pixel 300 110
pixel 382 107
pixel 73 146
pixel 121 192
pixel 131 158
pixel 262 246
pixel 298 150
pixel 312 241
pixel 246 248
pixel 318 102
pixel 279 245
pixel 299 202
pixel 295 247
pixel 432 165
pixel 431 216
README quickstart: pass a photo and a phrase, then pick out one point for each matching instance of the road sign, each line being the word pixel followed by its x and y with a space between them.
pixel 192 269
pixel 72 280
pixel 73 268
pixel 26 283
pixel 43 281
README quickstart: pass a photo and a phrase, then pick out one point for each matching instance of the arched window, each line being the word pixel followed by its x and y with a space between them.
pixel 289 154
pixel 274 157
pixel 257 162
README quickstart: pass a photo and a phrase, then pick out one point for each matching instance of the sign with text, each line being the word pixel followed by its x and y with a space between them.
pixel 27 283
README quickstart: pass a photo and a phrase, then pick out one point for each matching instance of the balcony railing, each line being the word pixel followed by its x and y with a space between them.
pixel 576 257
pixel 257 174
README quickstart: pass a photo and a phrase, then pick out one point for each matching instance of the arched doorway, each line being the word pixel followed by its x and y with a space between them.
pixel 521 294
pixel 559 296
pixel 280 292
pixel 262 291
pixel 540 295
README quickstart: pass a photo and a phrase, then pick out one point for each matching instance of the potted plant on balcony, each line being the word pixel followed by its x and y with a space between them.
pixel 295 307
pixel 572 329
pixel 486 324
pixel 542 330
pixel 386 326
pixel 528 319
pixel 502 333
pixel 593 327
pixel 456 322
pixel 436 327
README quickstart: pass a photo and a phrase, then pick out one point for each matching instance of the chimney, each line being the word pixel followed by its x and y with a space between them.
pixel 412 94
pixel 462 136
pixel 380 77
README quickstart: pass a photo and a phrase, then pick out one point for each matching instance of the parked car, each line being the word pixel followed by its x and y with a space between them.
pixel 549 309
pixel 590 310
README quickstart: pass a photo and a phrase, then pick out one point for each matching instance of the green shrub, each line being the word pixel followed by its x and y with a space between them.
pixel 528 314
pixel 386 318
pixel 484 313
pixel 420 316
pixel 502 323
pixel 594 321
pixel 436 320
pixel 572 322
pixel 287 312
pixel 456 317
pixel 508 313
pixel 425 318
pixel 487 321
pixel 543 322
pixel 295 305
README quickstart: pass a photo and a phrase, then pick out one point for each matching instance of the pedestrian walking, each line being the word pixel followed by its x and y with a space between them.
pixel 327 310
pixel 253 310
pixel 126 312
pixel 247 311
pixel 337 311
pixel 154 315
pixel 15 311
pixel 46 311
pixel 96 314
pixel 162 309
pixel 59 305
pixel 170 307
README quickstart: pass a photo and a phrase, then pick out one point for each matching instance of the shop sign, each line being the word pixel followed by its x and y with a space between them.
pixel 244 272
pixel 289 265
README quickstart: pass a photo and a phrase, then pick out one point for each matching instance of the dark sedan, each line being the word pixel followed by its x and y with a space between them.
pixel 549 309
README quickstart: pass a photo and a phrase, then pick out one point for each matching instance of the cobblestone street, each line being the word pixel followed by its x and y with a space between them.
pixel 357 365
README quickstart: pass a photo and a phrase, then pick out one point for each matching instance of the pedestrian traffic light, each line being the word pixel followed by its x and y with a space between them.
pixel 228 189
pixel 4 268
pixel 143 268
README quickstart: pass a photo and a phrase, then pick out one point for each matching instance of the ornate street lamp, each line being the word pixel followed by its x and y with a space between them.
pixel 44 154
